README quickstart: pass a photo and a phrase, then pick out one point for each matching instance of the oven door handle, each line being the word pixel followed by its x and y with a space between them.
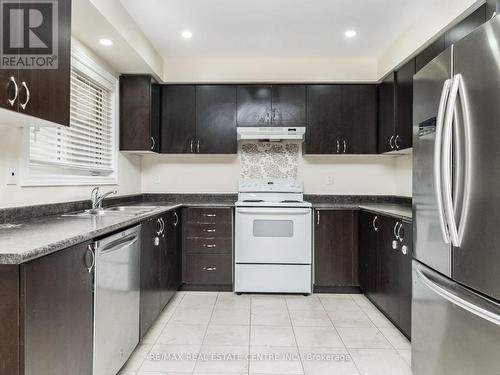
pixel 274 211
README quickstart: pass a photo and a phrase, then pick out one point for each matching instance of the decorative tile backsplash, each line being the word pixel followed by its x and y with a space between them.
pixel 269 160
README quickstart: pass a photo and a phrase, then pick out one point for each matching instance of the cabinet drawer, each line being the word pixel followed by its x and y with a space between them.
pixel 208 245
pixel 208 269
pixel 208 215
pixel 209 230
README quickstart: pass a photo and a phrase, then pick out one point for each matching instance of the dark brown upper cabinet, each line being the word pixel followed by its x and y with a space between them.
pixel 198 119
pixel 457 32
pixel 324 121
pixel 335 249
pixel 288 105
pixel 395 114
pixel 341 119
pixel 216 119
pixel 139 113
pixel 178 119
pixel 271 105
pixel 41 92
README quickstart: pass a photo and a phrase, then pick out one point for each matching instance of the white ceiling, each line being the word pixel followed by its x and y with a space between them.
pixel 274 28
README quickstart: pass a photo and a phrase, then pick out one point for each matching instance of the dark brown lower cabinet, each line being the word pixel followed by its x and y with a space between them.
pixel 170 270
pixel 151 255
pixel 207 248
pixel 56 315
pixel 9 319
pixel 335 249
pixel 385 248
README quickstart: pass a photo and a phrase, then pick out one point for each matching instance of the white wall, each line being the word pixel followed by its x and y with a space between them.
pixel 343 175
pixel 403 175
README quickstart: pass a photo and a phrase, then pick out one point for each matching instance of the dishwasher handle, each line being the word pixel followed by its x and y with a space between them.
pixel 118 244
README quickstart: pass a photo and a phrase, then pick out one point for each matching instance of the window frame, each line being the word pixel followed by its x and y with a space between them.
pixel 88 66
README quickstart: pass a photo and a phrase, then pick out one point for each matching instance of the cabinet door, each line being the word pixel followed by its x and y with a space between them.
pixel 8 80
pixel 216 119
pixel 49 89
pixel 359 119
pixel 288 105
pixel 139 113
pixel 150 275
pixel 9 319
pixel 368 252
pixel 404 130
pixel 178 119
pixel 165 266
pixel 405 277
pixel 254 105
pixel 324 127
pixel 386 114
pixel 389 264
pixel 335 253
pixel 57 317
pixel 469 24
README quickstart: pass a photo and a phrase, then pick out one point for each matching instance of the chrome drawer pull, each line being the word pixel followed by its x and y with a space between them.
pixel 209 215
pixel 209 269
pixel 209 230
pixel 210 246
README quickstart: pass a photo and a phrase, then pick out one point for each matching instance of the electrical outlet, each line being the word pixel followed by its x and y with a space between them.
pixel 329 181
pixel 156 179
pixel 11 177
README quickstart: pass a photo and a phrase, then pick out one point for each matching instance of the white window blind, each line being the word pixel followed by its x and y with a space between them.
pixel 87 146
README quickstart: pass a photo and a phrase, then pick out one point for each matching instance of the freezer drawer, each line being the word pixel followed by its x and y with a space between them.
pixel 454 330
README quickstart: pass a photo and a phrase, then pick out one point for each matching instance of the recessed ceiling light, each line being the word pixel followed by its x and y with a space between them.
pixel 187 34
pixel 350 33
pixel 106 42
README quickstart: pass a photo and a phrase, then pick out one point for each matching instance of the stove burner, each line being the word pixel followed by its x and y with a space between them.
pixel 253 200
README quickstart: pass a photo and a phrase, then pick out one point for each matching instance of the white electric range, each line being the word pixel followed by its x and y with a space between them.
pixel 273 238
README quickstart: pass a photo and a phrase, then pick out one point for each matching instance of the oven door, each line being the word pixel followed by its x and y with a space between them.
pixel 273 235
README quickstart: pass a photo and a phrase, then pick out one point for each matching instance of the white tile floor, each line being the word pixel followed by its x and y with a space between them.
pixel 223 333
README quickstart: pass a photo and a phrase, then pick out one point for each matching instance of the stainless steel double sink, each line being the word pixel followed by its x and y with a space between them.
pixel 114 211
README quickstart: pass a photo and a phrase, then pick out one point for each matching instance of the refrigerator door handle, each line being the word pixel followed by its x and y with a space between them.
pixel 466 157
pixel 437 160
pixel 459 299
pixel 446 162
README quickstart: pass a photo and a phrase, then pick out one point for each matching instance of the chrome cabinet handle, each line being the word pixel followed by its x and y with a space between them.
pixel 191 145
pixel 16 91
pixel 391 142
pixel 23 105
pixel 209 230
pixel 209 215
pixel 345 147
pixel 401 237
pixel 152 143
pixel 209 246
pixel 163 226
pixel 338 146
pixel 198 146
pixel 395 230
pixel 396 141
pixel 159 227
pixel 92 265
pixel 317 217
pixel 375 228
pixel 394 244
pixel 156 241
pixel 209 269
pixel 176 219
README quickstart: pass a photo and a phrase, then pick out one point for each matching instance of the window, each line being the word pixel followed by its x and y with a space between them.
pixel 84 153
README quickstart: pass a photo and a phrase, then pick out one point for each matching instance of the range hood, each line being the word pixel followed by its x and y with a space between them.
pixel 271 133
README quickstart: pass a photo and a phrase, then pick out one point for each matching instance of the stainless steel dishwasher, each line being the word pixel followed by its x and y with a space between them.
pixel 116 299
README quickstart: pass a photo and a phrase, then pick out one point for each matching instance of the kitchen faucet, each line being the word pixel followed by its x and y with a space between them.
pixel 97 199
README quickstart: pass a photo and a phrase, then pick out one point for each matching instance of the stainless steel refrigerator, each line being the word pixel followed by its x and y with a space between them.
pixel 456 209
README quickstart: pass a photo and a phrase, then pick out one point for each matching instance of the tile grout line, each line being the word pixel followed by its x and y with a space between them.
pixel 206 330
pixel 340 337
pixel 295 337
pixel 249 337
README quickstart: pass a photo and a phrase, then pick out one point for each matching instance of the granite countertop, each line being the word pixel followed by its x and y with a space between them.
pixel 400 211
pixel 31 239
